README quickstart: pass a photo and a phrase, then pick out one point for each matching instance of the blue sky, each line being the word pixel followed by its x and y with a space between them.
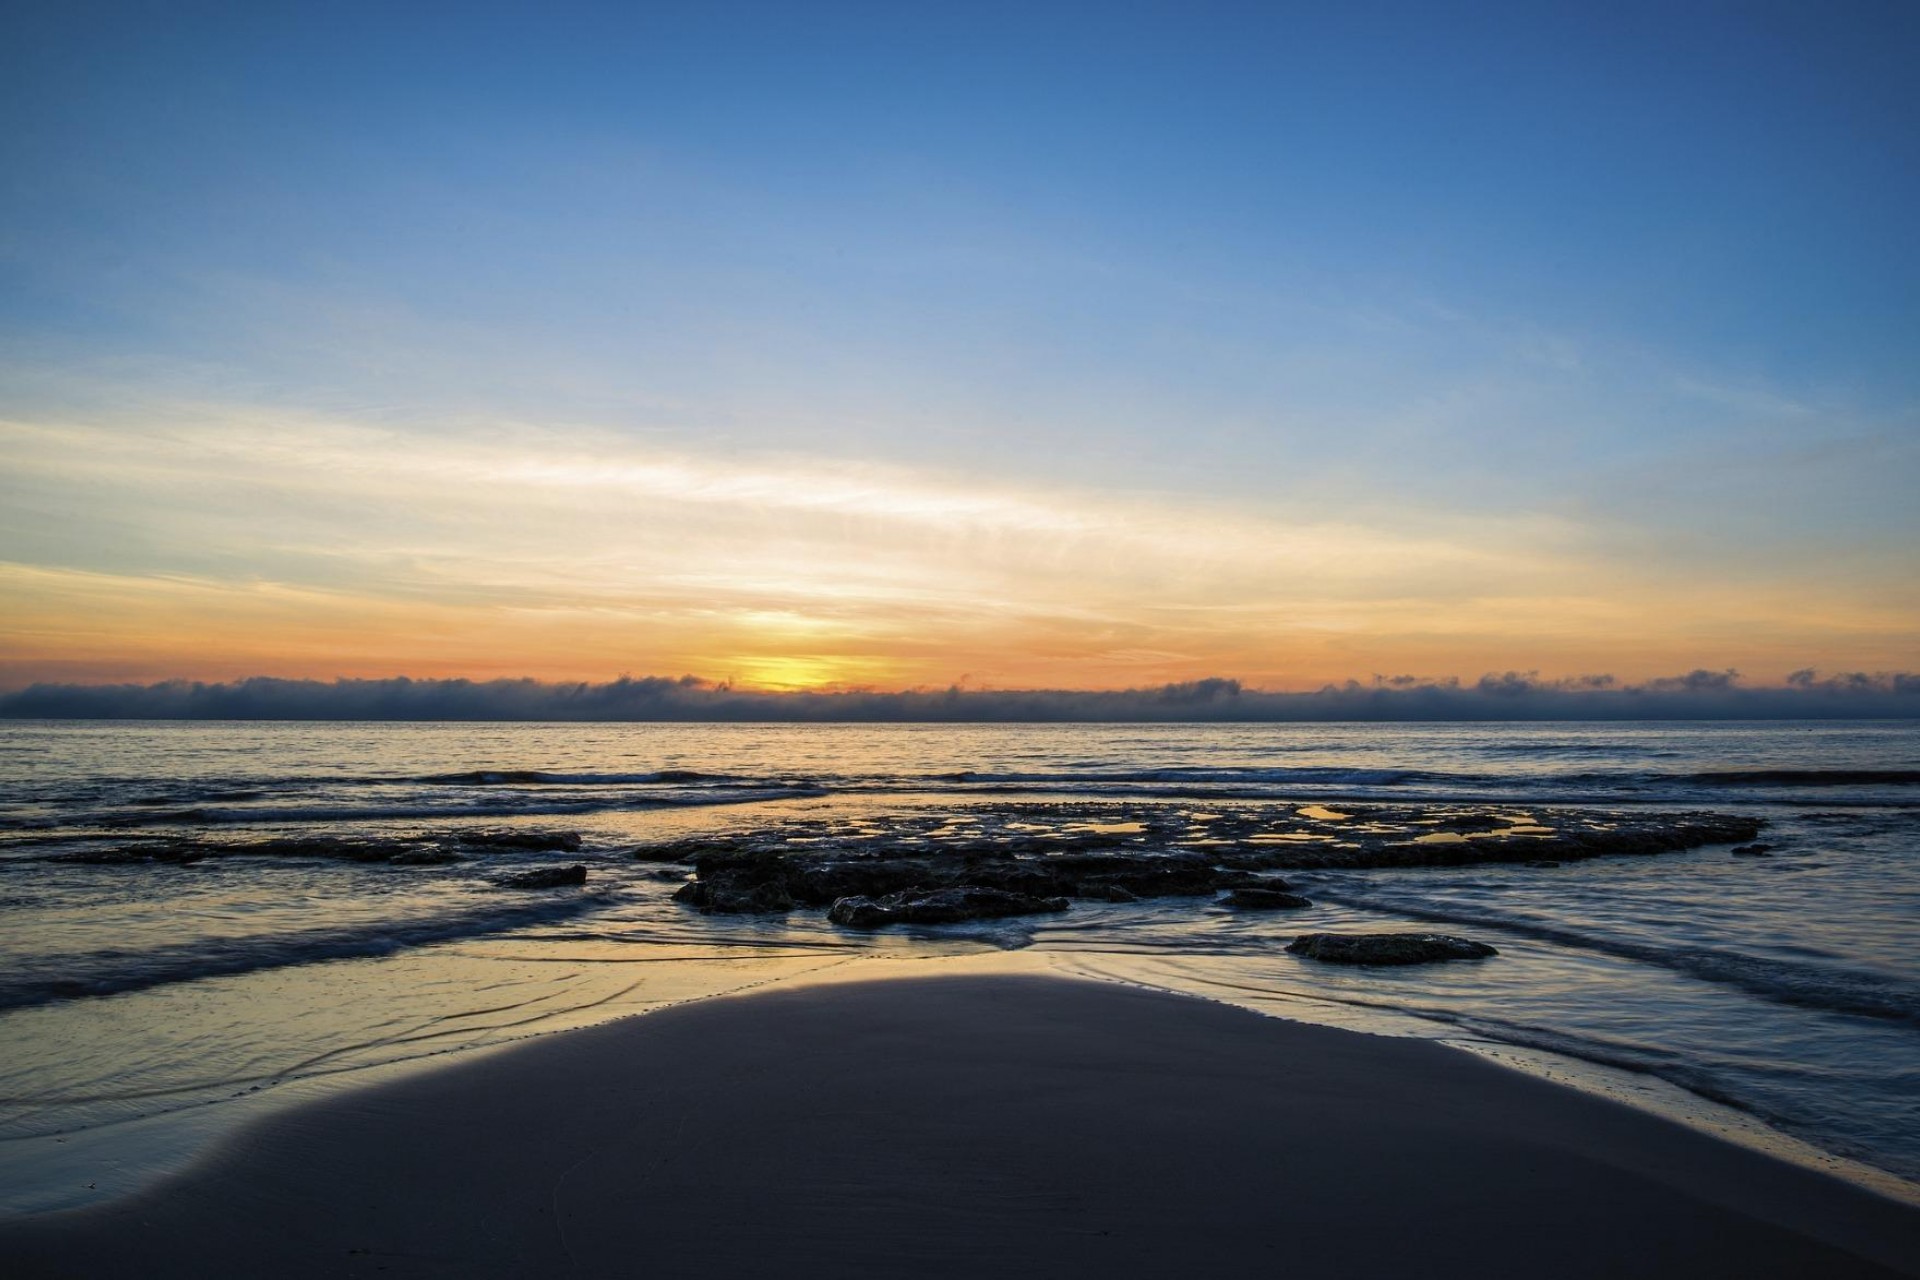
pixel 1631 287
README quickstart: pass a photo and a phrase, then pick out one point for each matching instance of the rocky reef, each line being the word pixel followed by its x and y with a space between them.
pixel 985 858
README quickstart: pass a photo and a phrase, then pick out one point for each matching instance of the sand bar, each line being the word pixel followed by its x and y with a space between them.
pixel 974 1126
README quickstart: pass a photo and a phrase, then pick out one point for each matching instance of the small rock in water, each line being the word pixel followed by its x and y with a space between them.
pixel 1387 948
pixel 1255 899
pixel 544 878
pixel 1752 850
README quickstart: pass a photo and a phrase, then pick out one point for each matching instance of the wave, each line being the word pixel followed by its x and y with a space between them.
pixel 1806 777
pixel 149 792
pixel 1826 987
pixel 1241 776
pixel 1601 750
pixel 504 807
pixel 107 973
pixel 544 778
pixel 220 801
pixel 1713 1080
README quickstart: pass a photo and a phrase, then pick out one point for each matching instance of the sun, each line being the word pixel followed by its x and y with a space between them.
pixel 789 673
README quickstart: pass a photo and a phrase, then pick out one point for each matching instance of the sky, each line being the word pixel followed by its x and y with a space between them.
pixel 1002 346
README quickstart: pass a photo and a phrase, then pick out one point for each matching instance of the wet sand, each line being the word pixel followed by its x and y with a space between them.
pixel 973 1126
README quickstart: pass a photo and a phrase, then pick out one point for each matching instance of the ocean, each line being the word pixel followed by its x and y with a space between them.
pixel 202 920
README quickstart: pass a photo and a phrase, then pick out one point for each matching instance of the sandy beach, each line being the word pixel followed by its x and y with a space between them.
pixel 971 1126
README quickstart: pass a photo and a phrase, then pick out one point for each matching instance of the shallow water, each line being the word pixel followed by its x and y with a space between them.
pixel 1784 985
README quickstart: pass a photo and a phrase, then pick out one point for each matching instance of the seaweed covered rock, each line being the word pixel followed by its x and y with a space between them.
pixel 1387 948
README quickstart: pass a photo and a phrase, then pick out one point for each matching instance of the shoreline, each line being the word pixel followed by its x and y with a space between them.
pixel 856 1120
pixel 1641 1091
pixel 135 1155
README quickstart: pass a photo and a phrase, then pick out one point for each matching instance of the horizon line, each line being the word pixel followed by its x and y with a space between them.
pixel 1697 695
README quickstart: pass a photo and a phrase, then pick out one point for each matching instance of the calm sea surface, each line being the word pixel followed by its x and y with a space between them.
pixel 137 996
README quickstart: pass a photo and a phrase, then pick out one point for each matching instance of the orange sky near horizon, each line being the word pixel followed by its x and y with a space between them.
pixel 320 549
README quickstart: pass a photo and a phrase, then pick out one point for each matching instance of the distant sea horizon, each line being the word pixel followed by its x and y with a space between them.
pixel 1495 697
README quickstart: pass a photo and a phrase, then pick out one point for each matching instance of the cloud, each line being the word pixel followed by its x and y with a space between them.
pixel 1504 696
pixel 215 540
pixel 1696 682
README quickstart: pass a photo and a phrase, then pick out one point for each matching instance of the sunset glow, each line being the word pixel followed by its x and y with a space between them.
pixel 765 363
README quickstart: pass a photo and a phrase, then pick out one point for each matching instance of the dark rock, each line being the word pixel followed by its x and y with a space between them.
pixel 429 856
pixel 1247 880
pixel 889 858
pixel 533 841
pixel 1250 899
pixel 733 898
pixel 337 848
pixel 825 882
pixel 1568 843
pixel 1145 874
pixel 680 850
pixel 544 878
pixel 341 848
pixel 1032 876
pixel 942 906
pixel 759 899
pixel 969 902
pixel 1543 862
pixel 1752 850
pixel 738 881
pixel 1387 948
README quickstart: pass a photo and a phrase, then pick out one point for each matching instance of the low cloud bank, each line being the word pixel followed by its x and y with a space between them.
pixel 1511 695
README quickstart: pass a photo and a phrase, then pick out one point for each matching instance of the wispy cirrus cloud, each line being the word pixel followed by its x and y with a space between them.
pixel 222 540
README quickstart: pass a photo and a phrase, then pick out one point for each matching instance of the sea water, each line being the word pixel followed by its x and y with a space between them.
pixel 147 1006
